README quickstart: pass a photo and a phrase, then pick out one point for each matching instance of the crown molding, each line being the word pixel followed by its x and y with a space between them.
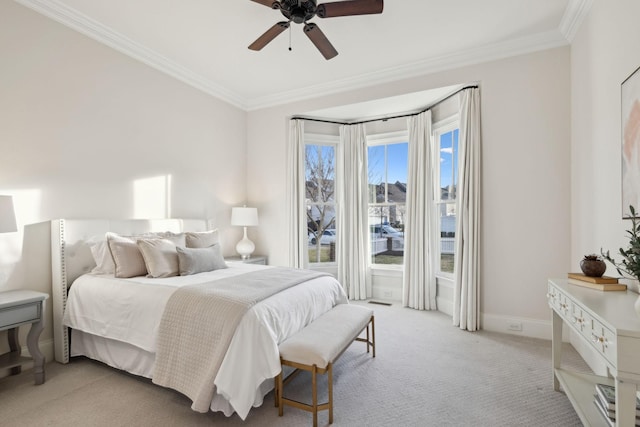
pixel 574 15
pixel 459 59
pixel 103 34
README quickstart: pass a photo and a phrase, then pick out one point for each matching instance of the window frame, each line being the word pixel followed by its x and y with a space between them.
pixel 448 124
pixel 331 141
pixel 378 139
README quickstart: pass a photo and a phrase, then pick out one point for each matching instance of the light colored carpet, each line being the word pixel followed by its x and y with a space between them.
pixel 426 373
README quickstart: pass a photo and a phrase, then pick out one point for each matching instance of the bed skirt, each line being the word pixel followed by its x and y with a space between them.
pixel 134 360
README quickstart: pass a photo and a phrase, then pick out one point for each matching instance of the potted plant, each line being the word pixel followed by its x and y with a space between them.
pixel 629 266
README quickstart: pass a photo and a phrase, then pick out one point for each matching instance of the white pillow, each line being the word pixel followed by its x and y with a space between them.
pixel 102 256
pixel 127 257
pixel 202 239
pixel 199 260
pixel 178 238
pixel 160 257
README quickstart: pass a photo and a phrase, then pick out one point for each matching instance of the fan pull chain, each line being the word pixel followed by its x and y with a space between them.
pixel 290 39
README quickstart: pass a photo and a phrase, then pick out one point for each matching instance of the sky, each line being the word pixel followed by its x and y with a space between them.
pixel 446 150
pixel 397 160
pixel 397 155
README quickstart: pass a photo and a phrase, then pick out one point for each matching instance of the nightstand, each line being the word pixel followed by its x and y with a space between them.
pixel 255 259
pixel 22 307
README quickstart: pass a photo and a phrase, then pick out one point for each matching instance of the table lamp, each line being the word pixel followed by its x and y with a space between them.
pixel 244 217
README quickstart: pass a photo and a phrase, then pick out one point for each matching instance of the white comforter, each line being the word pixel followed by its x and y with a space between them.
pixel 129 310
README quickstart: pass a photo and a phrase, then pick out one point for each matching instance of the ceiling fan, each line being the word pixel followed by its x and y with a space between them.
pixel 301 11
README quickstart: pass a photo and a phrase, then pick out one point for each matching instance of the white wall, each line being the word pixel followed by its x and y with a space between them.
pixel 526 176
pixel 80 123
pixel 604 53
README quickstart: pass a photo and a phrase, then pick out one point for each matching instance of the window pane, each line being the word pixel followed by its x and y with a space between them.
pixel 398 163
pixel 388 170
pixel 447 144
pixel 322 233
pixel 321 209
pixel 376 174
pixel 448 165
pixel 447 236
pixel 387 240
pixel 320 173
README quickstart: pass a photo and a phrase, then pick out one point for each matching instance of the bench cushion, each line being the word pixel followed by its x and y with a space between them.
pixel 322 341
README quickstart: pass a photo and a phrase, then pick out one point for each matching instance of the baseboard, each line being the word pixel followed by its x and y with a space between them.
pixel 521 326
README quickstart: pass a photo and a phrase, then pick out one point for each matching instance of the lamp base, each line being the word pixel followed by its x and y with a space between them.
pixel 245 247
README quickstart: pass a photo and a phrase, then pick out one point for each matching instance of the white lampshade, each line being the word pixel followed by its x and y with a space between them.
pixel 7 215
pixel 245 217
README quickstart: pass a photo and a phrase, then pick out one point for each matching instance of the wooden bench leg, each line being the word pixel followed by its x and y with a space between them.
pixel 368 337
pixel 314 392
pixel 330 384
pixel 280 393
pixel 373 334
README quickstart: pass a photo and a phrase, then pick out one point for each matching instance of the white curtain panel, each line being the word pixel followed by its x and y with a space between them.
pixel 297 212
pixel 467 259
pixel 419 282
pixel 353 216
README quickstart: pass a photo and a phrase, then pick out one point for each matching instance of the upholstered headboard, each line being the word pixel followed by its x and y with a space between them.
pixel 71 257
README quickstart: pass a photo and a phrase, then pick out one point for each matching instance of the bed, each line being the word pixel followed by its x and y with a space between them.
pixel 123 322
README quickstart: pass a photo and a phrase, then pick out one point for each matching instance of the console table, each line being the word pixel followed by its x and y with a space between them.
pixel 609 323
pixel 22 307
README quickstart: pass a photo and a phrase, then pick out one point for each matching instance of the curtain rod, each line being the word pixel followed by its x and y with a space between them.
pixel 384 119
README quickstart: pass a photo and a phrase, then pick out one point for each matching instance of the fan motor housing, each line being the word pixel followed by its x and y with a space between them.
pixel 298 11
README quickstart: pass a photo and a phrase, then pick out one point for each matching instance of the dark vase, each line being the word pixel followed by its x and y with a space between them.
pixel 593 267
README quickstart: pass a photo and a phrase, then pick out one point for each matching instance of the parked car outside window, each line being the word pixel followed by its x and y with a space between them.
pixel 385 231
pixel 328 237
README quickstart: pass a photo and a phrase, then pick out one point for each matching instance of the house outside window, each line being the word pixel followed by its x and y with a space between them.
pixel 446 136
pixel 387 158
pixel 320 194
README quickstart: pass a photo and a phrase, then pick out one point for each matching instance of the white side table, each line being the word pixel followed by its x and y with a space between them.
pixel 255 259
pixel 22 307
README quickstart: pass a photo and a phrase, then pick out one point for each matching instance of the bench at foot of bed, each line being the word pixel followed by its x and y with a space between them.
pixel 318 346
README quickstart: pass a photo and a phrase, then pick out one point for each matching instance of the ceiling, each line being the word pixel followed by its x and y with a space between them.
pixel 204 42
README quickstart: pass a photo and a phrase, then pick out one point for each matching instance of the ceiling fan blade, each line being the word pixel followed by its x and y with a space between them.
pixel 318 38
pixel 269 35
pixel 273 4
pixel 349 7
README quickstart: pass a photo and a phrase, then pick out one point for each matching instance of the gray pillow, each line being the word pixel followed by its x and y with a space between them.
pixel 199 260
pixel 201 239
